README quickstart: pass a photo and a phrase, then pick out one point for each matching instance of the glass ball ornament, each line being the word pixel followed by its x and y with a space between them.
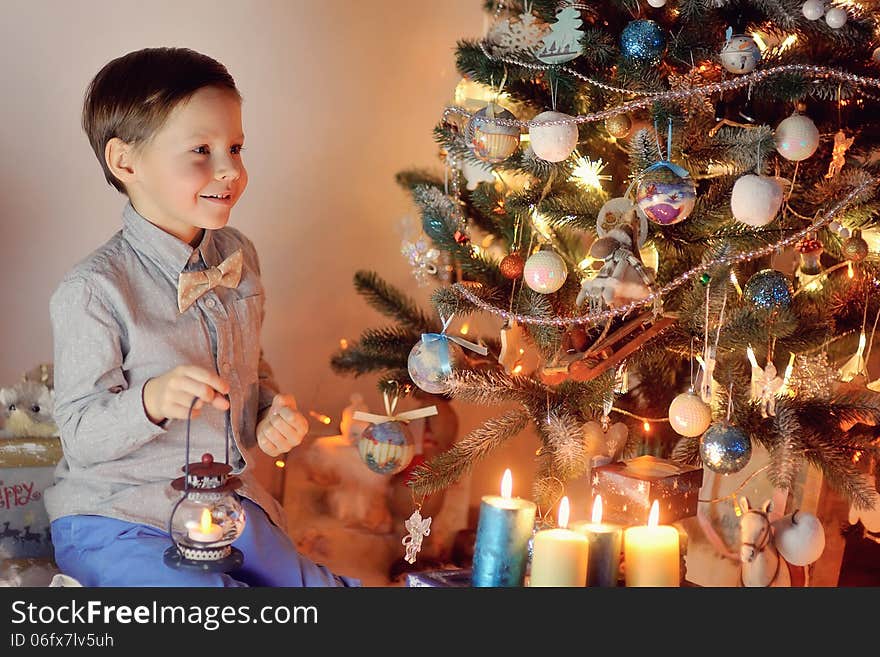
pixel 813 10
pixel 835 17
pixel 755 200
pixel 725 448
pixel 618 126
pixel 512 266
pixel 740 54
pixel 855 248
pixel 768 289
pixel 553 143
pixel 545 272
pixel 664 195
pixel 643 41
pixel 689 415
pixel 387 447
pixel 431 360
pixel 797 137
pixel 490 141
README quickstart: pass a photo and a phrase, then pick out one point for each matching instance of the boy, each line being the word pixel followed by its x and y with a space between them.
pixel 167 312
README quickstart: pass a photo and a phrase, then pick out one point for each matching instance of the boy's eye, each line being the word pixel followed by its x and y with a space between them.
pixel 237 149
pixel 201 150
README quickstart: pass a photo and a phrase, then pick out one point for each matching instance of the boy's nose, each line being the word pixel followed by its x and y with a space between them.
pixel 227 170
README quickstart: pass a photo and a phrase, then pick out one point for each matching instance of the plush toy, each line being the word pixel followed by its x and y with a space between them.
pixel 623 277
pixel 26 410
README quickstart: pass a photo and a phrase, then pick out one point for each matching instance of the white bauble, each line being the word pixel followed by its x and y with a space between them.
pixel 755 200
pixel 689 415
pixel 797 137
pixel 545 272
pixel 875 56
pixel 813 10
pixel 657 3
pixel 553 143
pixel 836 17
pixel 740 54
pixel 800 538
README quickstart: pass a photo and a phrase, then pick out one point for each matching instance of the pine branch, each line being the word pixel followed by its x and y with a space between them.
pixel 391 302
pixel 565 439
pixel 495 387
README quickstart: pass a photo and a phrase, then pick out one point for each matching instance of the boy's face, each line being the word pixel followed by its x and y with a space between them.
pixel 190 174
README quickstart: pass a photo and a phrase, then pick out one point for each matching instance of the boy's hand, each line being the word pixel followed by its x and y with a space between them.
pixel 170 395
pixel 282 428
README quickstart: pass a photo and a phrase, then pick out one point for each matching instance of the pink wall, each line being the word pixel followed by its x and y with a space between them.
pixel 339 96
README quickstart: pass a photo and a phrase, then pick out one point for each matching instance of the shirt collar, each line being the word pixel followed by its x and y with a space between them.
pixel 170 253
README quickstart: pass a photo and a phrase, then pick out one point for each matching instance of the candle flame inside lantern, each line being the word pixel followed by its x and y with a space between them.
pixel 597 510
pixel 562 518
pixel 205 521
pixel 506 484
pixel 654 516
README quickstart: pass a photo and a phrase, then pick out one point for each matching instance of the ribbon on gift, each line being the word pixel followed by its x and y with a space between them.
pixel 390 416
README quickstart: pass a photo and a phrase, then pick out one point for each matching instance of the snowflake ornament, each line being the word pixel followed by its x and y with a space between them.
pixel 510 36
pixel 422 257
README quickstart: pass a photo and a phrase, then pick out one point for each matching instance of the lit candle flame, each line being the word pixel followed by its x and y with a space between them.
pixel 654 516
pixel 562 518
pixel 506 484
pixel 205 521
pixel 597 510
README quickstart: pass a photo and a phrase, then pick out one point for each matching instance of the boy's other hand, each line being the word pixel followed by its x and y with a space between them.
pixel 282 428
pixel 169 396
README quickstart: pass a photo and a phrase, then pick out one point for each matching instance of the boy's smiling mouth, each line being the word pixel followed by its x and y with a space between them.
pixel 224 198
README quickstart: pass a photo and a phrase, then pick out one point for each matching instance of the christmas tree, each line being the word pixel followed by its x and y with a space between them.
pixel 672 228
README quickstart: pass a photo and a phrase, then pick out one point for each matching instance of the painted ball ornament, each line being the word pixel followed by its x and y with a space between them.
pixel 387 448
pixel 689 415
pixel 643 41
pixel 725 448
pixel 813 10
pixel 768 289
pixel 855 248
pixel 431 360
pixel 492 142
pixel 797 137
pixel 556 142
pixel 755 200
pixel 545 272
pixel 666 194
pixel 512 266
pixel 618 126
pixel 740 54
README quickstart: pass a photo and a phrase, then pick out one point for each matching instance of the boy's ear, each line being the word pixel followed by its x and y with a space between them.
pixel 119 156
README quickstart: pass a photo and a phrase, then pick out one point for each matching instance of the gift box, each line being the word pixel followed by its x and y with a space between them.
pixel 628 488
pixel 27 467
pixel 440 578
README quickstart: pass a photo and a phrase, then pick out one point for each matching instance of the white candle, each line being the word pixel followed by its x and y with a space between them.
pixel 206 531
pixel 559 556
pixel 651 553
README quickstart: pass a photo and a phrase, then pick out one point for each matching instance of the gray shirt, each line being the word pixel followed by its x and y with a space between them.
pixel 115 325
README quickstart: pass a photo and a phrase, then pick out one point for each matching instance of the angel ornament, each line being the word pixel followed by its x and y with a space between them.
pixel 770 386
pixel 418 528
pixel 623 278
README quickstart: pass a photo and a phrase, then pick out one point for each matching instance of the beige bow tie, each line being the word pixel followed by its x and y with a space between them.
pixel 193 284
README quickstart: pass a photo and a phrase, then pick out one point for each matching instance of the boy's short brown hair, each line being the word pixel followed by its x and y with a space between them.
pixel 132 96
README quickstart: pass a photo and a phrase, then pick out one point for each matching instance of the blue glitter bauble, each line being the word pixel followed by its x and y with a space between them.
pixel 768 290
pixel 643 41
pixel 725 448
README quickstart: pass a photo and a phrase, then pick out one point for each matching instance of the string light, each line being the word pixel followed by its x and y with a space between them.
pixel 850 272
pixel 320 417
pixel 280 464
pixel 343 343
pixel 464 328
pixel 735 282
pixel 646 426
pixel 588 173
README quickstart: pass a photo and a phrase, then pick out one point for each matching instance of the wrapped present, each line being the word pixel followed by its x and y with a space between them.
pixel 27 467
pixel 629 487
pixel 440 578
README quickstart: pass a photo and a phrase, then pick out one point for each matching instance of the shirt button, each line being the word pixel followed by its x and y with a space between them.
pixel 210 303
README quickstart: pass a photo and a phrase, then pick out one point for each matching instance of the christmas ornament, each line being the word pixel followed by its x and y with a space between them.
pixel 387 445
pixel 418 528
pixel 517 355
pixel 768 289
pixel 813 377
pixel 553 143
pixel 797 137
pixel 563 42
pixel 475 173
pixel 696 104
pixel 761 563
pixel 875 56
pixel 605 442
pixel 810 250
pixel 836 17
pixel 643 42
pixel 490 141
pixel 618 126
pixel 545 272
pixel 838 154
pixel 666 193
pixel 799 537
pixel 512 36
pixel 623 277
pixel 689 415
pixel 813 10
pixel 855 248
pixel 433 358
pixel 618 212
pixel 725 448
pixel 422 257
pixel 512 266
pixel 657 3
pixel 755 200
pixel 740 53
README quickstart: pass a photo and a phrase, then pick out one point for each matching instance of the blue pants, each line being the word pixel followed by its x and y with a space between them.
pixel 101 551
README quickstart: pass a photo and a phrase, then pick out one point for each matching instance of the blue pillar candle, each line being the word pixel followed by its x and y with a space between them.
pixel 603 562
pixel 502 546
